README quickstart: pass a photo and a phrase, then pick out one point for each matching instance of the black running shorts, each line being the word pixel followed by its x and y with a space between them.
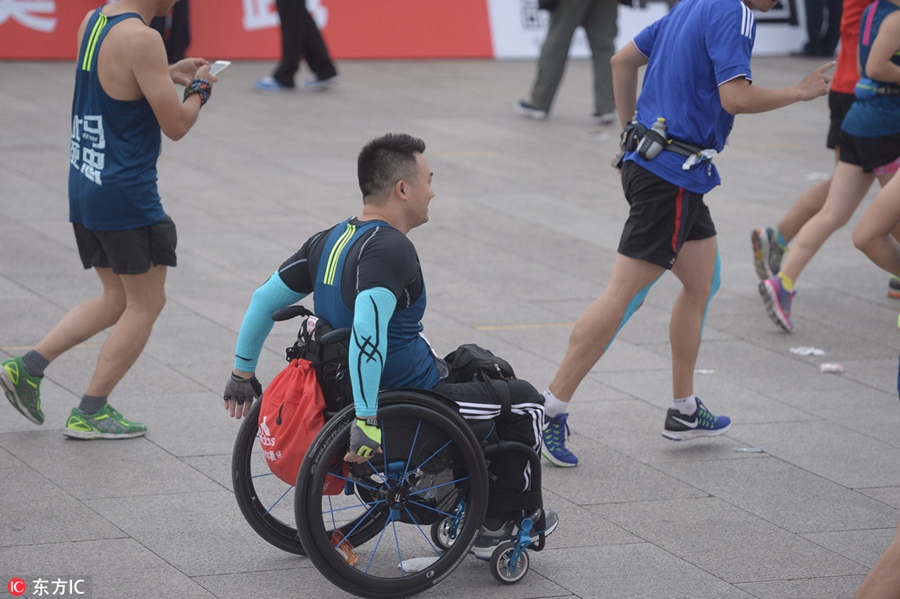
pixel 129 252
pixel 662 217
pixel 869 152
pixel 839 103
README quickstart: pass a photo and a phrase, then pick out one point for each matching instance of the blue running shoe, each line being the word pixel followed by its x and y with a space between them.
pixel 269 84
pixel 701 423
pixel 556 431
pixel 778 302
pixel 319 85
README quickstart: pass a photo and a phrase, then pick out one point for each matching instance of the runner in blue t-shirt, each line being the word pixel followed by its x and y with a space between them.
pixel 698 77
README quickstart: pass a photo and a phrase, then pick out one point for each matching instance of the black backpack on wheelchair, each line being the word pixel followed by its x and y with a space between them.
pixel 318 342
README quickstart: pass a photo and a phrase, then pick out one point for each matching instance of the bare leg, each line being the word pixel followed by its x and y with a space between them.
pixel 597 327
pixel 695 269
pixel 145 297
pixel 86 319
pixel 883 580
pixel 873 233
pixel 804 208
pixel 848 187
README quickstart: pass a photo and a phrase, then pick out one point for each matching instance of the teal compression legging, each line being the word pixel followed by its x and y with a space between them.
pixel 638 299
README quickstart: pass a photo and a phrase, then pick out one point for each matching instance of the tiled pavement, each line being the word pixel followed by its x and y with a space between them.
pixel 522 237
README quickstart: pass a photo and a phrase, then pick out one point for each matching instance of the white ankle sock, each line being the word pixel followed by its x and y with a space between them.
pixel 552 405
pixel 686 406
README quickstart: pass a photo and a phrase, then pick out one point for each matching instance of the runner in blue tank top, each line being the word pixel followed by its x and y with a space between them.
pixel 125 96
pixel 698 77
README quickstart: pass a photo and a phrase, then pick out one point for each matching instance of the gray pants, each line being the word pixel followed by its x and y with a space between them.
pixel 598 17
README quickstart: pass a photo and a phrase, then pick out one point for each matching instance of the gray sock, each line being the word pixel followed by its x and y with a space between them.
pixel 35 363
pixel 91 404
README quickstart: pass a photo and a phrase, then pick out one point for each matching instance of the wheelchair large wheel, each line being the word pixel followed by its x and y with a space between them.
pixel 265 500
pixel 374 539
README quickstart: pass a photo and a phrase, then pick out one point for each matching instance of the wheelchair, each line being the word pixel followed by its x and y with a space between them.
pixel 397 524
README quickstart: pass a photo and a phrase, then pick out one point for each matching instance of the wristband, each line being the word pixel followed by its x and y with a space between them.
pixel 200 87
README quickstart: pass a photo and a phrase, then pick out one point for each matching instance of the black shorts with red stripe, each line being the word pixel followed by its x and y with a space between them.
pixel 662 217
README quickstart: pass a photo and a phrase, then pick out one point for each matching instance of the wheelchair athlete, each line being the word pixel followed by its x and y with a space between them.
pixel 364 274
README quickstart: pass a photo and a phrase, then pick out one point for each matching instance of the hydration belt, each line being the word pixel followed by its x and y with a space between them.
pixel 693 154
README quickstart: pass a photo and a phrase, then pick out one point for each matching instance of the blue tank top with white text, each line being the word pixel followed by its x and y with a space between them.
pixel 114 146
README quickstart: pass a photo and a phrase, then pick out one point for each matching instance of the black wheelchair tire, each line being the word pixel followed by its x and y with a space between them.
pixel 331 443
pixel 280 533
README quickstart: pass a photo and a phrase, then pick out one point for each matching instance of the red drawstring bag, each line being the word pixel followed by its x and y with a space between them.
pixel 292 412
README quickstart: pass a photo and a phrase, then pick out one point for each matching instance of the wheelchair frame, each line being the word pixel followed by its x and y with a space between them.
pixel 405 519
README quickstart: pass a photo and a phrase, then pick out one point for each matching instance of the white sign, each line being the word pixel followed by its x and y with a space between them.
pixel 34 14
pixel 518 29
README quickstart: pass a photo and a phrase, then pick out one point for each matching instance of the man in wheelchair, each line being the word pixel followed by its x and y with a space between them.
pixel 364 274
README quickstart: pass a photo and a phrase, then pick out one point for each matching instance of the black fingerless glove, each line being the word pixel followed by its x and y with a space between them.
pixel 241 390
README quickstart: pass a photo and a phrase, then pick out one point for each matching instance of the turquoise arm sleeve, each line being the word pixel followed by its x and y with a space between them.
pixel 368 347
pixel 271 296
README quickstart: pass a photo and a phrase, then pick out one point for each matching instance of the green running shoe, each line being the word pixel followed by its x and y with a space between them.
pixel 105 423
pixel 22 390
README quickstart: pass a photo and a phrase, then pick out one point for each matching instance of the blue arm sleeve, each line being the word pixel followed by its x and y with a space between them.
pixel 271 296
pixel 368 346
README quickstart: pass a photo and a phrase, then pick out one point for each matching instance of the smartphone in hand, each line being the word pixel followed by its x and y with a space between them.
pixel 218 66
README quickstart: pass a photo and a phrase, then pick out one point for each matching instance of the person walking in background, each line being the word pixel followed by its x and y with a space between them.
pixel 870 149
pixel 300 37
pixel 697 78
pixel 125 96
pixel 175 29
pixel 598 18
pixel 819 42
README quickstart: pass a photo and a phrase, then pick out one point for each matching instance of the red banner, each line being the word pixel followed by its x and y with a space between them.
pixel 248 29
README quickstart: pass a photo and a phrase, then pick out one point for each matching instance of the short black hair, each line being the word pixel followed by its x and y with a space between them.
pixel 386 160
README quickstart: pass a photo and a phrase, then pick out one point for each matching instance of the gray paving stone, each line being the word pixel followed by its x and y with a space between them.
pixel 862 546
pixel 118 569
pixel 717 537
pixel 35 510
pixel 522 238
pixel 806 503
pixel 638 571
pixel 94 469
pixel 834 587
pixel 829 450
pixel 204 533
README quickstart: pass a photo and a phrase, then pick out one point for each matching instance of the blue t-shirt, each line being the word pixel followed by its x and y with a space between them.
pixel 694 49
pixel 114 147
pixel 878 116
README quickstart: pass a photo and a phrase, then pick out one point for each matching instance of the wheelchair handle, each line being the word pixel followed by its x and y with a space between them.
pixel 291 312
pixel 335 336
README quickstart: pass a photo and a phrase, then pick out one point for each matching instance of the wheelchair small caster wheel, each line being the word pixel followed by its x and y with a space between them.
pixel 505 566
pixel 443 532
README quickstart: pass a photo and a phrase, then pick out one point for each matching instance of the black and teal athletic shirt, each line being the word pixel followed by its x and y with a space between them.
pixel 355 256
